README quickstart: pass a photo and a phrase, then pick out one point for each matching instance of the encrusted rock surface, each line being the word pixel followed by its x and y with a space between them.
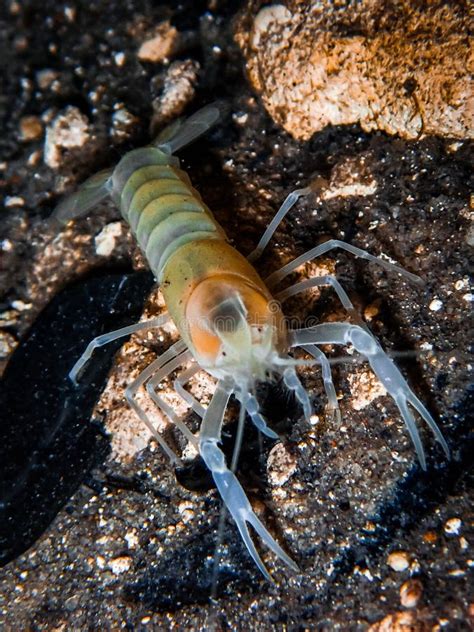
pixel 401 67
pixel 133 547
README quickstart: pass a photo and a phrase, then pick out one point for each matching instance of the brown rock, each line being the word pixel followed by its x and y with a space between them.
pixel 31 128
pixel 399 622
pixel 410 593
pixel 396 67
pixel 160 46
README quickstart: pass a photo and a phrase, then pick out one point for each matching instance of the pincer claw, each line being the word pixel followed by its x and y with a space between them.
pixel 239 506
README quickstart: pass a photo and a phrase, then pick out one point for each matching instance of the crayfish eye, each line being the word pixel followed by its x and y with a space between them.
pixel 229 316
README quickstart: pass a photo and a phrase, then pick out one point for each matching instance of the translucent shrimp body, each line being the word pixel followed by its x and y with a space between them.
pixel 228 321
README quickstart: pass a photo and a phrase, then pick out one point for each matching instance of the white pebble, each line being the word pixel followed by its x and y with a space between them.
pixel 131 539
pixel 6 245
pixel 119 59
pixel 461 284
pixel 105 241
pixel 14 201
pixel 398 561
pixel 69 130
pixel 435 305
pixel 281 464
pixel 452 526
pixel 20 305
pixel 120 564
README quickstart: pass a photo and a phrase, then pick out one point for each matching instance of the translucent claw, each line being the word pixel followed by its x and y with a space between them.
pixel 239 506
pixel 293 383
pixel 423 412
pixel 410 423
pixel 331 244
pixel 383 367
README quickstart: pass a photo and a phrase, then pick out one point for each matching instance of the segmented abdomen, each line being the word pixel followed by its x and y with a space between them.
pixel 158 201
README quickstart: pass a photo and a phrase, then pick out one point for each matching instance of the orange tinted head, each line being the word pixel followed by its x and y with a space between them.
pixel 233 325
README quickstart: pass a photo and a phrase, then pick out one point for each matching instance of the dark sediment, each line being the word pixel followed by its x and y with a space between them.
pixel 133 546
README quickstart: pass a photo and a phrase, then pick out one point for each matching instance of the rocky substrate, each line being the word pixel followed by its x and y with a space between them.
pixel 127 542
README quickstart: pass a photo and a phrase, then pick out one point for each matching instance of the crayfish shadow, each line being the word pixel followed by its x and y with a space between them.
pixel 185 576
pixel 47 447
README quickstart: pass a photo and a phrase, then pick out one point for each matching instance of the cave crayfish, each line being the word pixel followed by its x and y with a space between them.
pixel 230 321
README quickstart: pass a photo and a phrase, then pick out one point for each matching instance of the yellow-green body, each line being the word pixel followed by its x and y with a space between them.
pixel 185 247
pixel 158 201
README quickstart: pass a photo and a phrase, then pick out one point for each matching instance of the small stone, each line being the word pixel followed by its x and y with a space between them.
pixel 120 564
pixel 410 593
pixel 45 78
pixel 398 561
pixel 178 90
pixel 70 13
pixel 123 124
pixel 20 305
pixel 119 59
pixel 463 543
pixel 6 245
pixel 131 539
pixel 7 344
pixel 186 510
pixel 14 200
pixel 160 46
pixel 281 464
pixel 105 241
pixel 314 420
pixel 371 311
pixel 8 318
pixel 31 128
pixel 365 388
pixel 435 305
pixel 34 158
pixel 240 118
pixel 461 284
pixel 69 130
pixel 396 622
pixel 452 526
